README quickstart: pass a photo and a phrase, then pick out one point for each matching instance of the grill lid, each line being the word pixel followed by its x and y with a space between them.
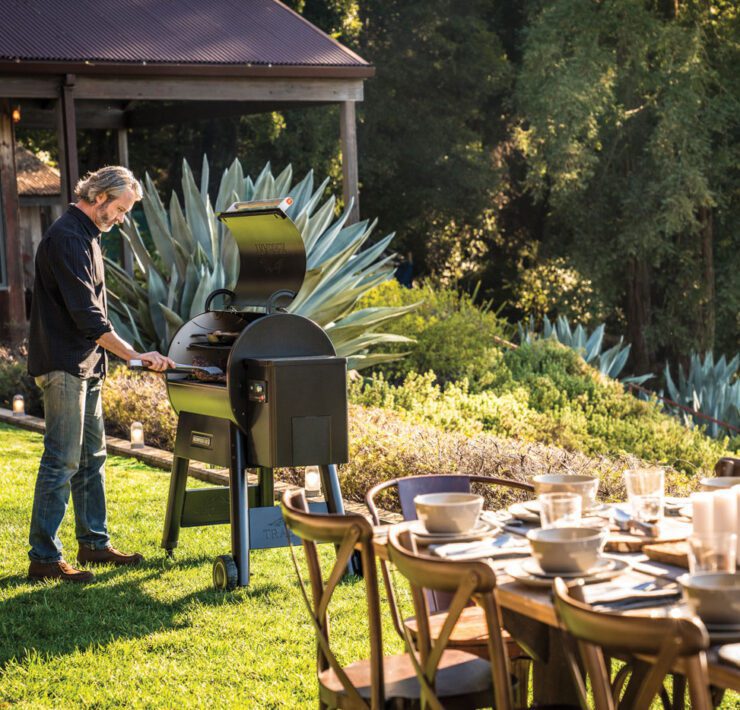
pixel 272 255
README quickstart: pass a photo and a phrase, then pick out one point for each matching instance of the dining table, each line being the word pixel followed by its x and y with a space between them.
pixel 528 614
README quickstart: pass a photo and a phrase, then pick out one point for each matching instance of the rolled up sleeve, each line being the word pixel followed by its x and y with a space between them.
pixel 73 269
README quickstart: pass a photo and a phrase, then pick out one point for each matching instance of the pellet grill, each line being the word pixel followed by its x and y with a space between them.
pixel 282 400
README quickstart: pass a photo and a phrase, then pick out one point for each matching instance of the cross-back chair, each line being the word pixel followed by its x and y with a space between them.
pixel 465 581
pixel 662 641
pixel 378 681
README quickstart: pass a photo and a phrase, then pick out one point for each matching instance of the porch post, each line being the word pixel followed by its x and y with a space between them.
pixel 12 296
pixel 67 139
pixel 348 138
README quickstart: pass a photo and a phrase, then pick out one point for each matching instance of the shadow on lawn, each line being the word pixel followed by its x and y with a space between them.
pixel 57 618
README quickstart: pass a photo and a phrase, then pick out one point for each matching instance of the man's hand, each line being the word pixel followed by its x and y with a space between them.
pixel 156 361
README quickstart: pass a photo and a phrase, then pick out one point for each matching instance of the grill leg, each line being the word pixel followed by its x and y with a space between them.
pixel 267 487
pixel 175 503
pixel 238 507
pixel 334 504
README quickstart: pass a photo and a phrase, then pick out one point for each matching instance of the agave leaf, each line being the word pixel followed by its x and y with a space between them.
pixel 367 318
pixel 324 242
pixel 174 322
pixel 264 185
pixel 190 286
pixel 196 213
pixel 593 344
pixel 301 194
pixel 157 298
pixel 159 228
pixel 201 293
pixel 316 225
pixel 181 232
pixel 131 232
pixel 204 178
pixel 361 362
pixel 367 340
pixel 282 181
pixel 121 327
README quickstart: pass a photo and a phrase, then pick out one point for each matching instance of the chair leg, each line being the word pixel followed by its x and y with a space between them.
pixel 520 668
pixel 679 691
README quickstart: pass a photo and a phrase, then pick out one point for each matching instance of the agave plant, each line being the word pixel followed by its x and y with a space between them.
pixel 610 362
pixel 709 387
pixel 194 254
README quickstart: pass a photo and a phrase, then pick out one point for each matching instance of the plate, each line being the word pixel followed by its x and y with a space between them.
pixel 730 653
pixel 517 571
pixel 686 512
pixel 482 529
pixel 521 512
pixel 531 566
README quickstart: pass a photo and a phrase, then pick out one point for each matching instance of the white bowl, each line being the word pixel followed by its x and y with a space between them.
pixel 567 550
pixel 715 483
pixel 713 596
pixel 448 512
pixel 584 486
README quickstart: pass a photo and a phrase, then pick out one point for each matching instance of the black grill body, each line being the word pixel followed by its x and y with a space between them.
pixel 283 401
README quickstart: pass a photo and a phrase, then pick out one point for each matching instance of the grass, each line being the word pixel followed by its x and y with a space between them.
pixel 157 636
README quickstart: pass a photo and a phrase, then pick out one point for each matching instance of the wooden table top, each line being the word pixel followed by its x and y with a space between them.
pixel 536 603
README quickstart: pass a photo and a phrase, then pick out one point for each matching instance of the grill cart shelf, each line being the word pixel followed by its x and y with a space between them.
pixel 281 402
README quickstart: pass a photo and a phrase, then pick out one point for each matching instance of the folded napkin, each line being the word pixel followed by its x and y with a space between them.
pixel 501 546
pixel 608 596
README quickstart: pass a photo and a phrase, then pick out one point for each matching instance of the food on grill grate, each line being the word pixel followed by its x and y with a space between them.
pixel 202 374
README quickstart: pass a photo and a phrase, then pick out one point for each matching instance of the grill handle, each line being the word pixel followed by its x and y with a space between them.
pixel 217 292
pixel 275 297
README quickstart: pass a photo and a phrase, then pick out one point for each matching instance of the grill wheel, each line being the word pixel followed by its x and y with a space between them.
pixel 225 573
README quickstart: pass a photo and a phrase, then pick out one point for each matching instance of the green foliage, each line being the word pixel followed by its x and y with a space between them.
pixel 710 387
pixel 553 287
pixel 609 362
pixel 544 392
pixel 452 335
pixel 14 379
pixel 195 254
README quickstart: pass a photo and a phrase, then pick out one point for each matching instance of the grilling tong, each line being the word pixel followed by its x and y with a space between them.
pixel 186 369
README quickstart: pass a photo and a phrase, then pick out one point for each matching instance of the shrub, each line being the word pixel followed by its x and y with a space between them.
pixel 14 379
pixel 132 396
pixel 545 393
pixel 455 338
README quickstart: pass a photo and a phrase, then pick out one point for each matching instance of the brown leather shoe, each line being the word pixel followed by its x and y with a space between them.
pixel 58 570
pixel 109 555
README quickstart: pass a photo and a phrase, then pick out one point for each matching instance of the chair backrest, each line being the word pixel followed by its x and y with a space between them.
pixel 727 466
pixel 410 487
pixel 346 532
pixel 664 640
pixel 465 581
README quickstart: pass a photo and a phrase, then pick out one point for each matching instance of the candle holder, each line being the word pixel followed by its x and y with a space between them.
pixel 312 482
pixel 137 435
pixel 19 406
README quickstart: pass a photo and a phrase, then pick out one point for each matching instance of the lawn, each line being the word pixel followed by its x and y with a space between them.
pixel 159 635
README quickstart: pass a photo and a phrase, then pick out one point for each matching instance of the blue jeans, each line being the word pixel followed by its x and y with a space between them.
pixel 73 459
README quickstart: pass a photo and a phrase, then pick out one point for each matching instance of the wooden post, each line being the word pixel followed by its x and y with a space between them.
pixel 127 258
pixel 348 137
pixel 67 138
pixel 12 297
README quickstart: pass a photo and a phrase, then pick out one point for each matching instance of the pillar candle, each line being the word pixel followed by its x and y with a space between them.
pixel 725 511
pixel 702 506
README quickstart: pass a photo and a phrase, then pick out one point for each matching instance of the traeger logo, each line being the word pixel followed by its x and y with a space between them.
pixel 275 530
pixel 271 248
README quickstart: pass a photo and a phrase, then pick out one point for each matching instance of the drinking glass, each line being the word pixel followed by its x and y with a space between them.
pixel 712 552
pixel 560 510
pixel 645 493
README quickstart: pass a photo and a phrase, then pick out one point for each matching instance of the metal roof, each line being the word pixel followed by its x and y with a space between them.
pixel 33 176
pixel 196 32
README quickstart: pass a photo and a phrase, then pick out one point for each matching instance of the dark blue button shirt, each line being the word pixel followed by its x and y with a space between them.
pixel 69 311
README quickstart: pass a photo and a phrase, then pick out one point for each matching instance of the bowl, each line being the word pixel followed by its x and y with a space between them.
pixel 713 596
pixel 716 483
pixel 585 486
pixel 448 512
pixel 567 550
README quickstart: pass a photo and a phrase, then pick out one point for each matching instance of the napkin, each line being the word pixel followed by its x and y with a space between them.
pixel 501 546
pixel 608 596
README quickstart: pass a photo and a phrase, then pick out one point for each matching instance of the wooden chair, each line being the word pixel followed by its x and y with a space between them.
pixel 663 641
pixel 465 581
pixel 727 466
pixel 470 634
pixel 378 681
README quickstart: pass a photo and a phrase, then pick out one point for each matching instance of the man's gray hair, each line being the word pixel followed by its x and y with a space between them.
pixel 112 181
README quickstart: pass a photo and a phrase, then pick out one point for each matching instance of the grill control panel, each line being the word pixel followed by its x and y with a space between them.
pixel 258 391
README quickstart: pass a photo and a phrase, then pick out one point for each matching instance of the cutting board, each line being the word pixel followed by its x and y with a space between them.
pixel 670 553
pixel 671 531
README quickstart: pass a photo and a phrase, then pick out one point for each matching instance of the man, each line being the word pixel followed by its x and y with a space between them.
pixel 69 335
